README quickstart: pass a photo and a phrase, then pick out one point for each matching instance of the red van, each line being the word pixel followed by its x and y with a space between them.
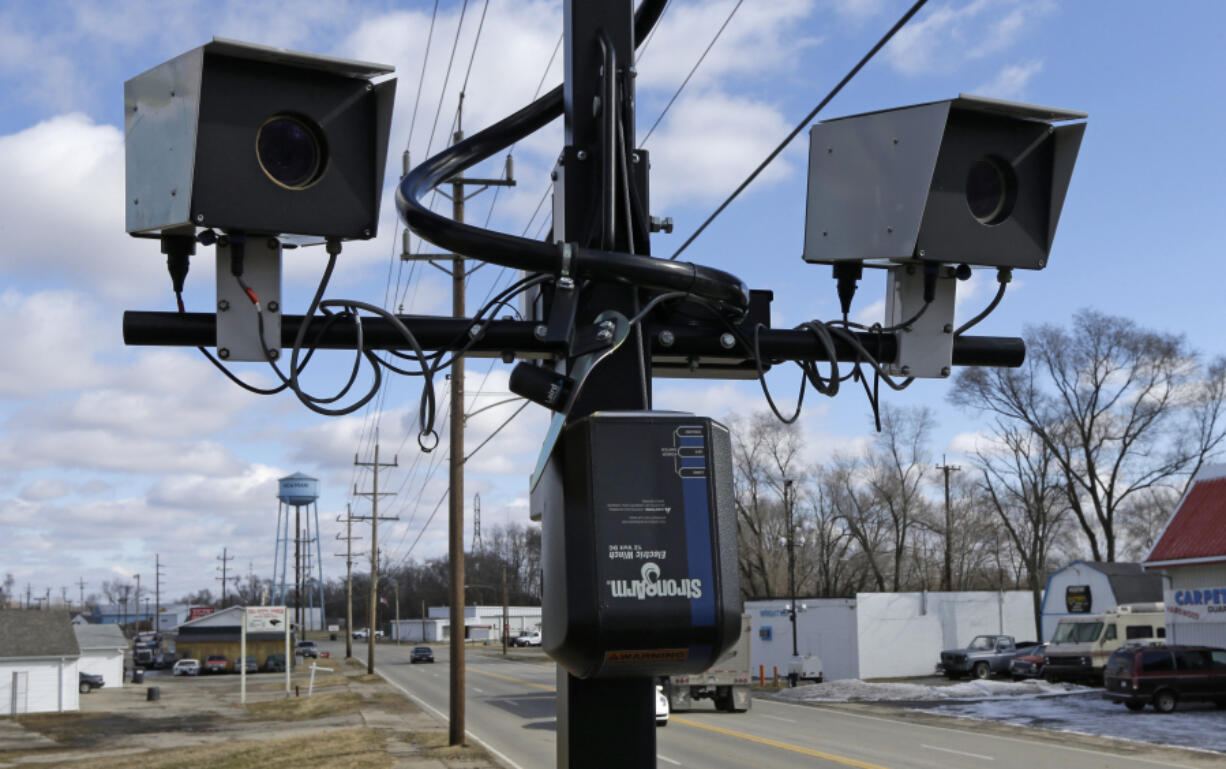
pixel 1164 676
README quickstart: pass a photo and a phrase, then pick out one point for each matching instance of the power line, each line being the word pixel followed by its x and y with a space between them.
pixel 694 69
pixel 788 140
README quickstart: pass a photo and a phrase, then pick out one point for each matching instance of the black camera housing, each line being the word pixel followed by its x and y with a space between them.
pixel 197 154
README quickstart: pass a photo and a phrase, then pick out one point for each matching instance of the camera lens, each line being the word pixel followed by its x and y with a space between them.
pixel 991 188
pixel 291 151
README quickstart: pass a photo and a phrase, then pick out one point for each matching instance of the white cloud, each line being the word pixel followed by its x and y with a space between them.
pixel 1011 81
pixel 42 489
pixel 51 344
pixel 946 37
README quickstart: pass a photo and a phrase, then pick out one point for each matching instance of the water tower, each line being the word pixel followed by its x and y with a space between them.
pixel 299 493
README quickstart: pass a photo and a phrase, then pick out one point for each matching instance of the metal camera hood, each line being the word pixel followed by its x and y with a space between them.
pixel 967 180
pixel 195 156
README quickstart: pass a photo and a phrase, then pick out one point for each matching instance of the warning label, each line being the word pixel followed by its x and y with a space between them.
pixel 646 655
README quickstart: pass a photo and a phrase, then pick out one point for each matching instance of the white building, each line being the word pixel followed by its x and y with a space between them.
pixel 1191 555
pixel 38 662
pixel 481 623
pixel 102 651
pixel 1093 587
pixel 882 635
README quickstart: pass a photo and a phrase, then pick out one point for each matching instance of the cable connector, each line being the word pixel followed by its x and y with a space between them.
pixel 178 249
pixel 847 274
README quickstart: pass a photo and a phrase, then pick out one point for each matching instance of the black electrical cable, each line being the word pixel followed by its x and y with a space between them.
pixel 1004 275
pixel 534 256
pixel 800 126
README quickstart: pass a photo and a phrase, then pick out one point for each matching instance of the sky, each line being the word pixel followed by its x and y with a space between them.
pixel 112 454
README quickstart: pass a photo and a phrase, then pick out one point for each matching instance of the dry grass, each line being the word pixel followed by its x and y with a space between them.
pixel 434 744
pixel 339 749
pixel 307 708
pixel 84 730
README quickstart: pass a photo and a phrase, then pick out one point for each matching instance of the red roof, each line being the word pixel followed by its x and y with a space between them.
pixel 1198 527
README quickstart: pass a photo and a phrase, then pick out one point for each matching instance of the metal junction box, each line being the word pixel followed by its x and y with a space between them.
pixel 248 138
pixel 967 180
pixel 639 545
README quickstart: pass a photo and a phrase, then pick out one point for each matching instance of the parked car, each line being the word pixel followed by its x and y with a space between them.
pixel 1028 665
pixel 1082 643
pixel 89 682
pixel 186 667
pixel 527 639
pixel 984 656
pixel 163 660
pixel 306 649
pixel 421 654
pixel 361 634
pixel 1165 676
pixel 216 663
pixel 274 663
pixel 250 667
pixel 661 706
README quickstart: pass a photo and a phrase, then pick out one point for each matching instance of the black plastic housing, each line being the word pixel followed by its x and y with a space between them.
pixel 639 545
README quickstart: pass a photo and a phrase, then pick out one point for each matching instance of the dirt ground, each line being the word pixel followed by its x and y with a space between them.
pixel 352 721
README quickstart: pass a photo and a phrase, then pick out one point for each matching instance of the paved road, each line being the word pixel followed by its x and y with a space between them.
pixel 511 710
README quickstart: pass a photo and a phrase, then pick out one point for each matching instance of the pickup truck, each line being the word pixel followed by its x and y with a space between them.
pixel 984 656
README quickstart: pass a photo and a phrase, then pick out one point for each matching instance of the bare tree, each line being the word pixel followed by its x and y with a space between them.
pixel 1019 477
pixel 895 477
pixel 863 516
pixel 1122 410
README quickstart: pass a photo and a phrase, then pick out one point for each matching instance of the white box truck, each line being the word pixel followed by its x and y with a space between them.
pixel 726 682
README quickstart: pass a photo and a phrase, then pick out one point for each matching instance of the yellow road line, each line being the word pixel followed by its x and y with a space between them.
pixel 509 678
pixel 844 760
pixel 777 744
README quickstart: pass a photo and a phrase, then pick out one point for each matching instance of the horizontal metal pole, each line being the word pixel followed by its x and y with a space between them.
pixel 197 329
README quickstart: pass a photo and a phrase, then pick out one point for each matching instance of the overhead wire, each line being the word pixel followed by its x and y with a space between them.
pixel 800 126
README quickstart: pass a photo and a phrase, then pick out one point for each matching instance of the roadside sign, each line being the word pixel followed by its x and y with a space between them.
pixel 264 619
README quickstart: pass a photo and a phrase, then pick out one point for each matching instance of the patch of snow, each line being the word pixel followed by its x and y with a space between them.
pixel 855 690
pixel 1193 725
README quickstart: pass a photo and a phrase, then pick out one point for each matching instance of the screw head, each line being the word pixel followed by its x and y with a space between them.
pixel 274 353
pixel 667 338
pixel 553 176
pixel 366 233
pixel 581 154
pixel 604 334
pixel 634 157
pixel 948 328
pixel 539 332
pixel 945 371
pixel 223 353
pixel 273 306
pixel 199 217
pixel 727 340
pixel 906 371
pixel 223 304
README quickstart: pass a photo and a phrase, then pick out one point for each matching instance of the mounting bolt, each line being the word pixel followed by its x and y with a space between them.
pixel 667 338
pixel 727 340
pixel 581 154
pixel 634 157
pixel 474 331
pixel 273 353
pixel 921 253
pixel 223 352
pixel 539 332
pixel 366 233
pixel 553 176
pixel 273 306
pixel 223 305
pixel 945 371
pixel 693 361
pixel 664 224
pixel 199 217
pixel 508 356
pixel 948 328
pixel 604 334
pixel 906 371
pixel 566 283
pixel 609 324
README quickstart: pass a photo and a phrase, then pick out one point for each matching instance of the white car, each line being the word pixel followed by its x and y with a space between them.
pixel 361 634
pixel 661 707
pixel 187 667
pixel 528 639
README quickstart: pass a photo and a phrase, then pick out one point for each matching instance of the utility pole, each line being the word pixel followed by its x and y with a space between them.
pixel 138 602
pixel 157 591
pixel 349 555
pixel 396 586
pixel 225 559
pixel 81 587
pixel 477 543
pixel 64 597
pixel 455 458
pixel 947 573
pixel 374 519
pixel 793 666
pixel 506 611
pixel 47 600
pixel 423 621
pixel 27 595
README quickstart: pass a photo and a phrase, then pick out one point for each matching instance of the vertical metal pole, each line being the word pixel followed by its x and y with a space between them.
pixel 793 672
pixel 348 582
pixel 374 566
pixel 242 661
pixel 601 722
pixel 506 611
pixel 298 570
pixel 319 571
pixel 396 585
pixel 455 501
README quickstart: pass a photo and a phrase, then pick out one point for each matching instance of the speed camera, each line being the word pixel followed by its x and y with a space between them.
pixel 247 138
pixel 969 180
